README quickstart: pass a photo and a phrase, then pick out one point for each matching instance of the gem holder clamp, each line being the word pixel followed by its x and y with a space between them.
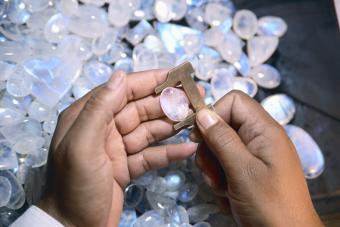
pixel 182 74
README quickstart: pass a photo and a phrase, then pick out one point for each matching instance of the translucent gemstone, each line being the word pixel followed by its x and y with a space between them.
pixel 81 87
pixel 216 13
pixel 137 33
pixel 195 18
pixel 153 42
pixel 17 12
pixel 50 123
pixel 97 72
pixel 119 13
pixel 150 218
pixel 11 31
pixel 145 60
pixel 56 28
pixel 17 198
pixel 310 155
pixel 116 52
pixel 243 65
pixel 159 201
pixel 178 9
pixel 14 51
pixel 74 45
pixel 245 24
pixel 38 111
pixel 246 85
pixel 174 180
pixel 280 106
pixel 102 44
pixel 3 8
pixel 271 25
pixel 5 191
pixel 202 224
pixel 133 195
pixel 192 43
pixel 28 144
pixel 208 97
pixel 20 83
pixel 125 64
pixel 28 127
pixel 204 70
pixel 174 103
pixel 230 48
pixel 193 59
pixel 201 212
pixel 145 179
pixel 163 10
pixel 69 7
pixel 261 48
pixel 36 5
pixel 172 36
pixel 266 76
pixel 158 184
pixel 213 37
pixel 176 215
pixel 6 69
pixel 10 116
pixel 63 104
pixel 128 218
pixel 188 192
pixel 90 21
pixel 17 103
pixel 8 159
pixel 209 55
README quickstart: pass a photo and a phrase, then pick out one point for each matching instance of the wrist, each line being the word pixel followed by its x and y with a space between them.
pixel 49 206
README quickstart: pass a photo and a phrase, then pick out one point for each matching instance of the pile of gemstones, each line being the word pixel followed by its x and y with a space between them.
pixel 52 52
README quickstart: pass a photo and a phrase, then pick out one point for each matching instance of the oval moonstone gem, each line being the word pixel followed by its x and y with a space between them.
pixel 174 103
pixel 266 76
pixel 310 155
pixel 245 24
pixel 280 106
pixel 270 25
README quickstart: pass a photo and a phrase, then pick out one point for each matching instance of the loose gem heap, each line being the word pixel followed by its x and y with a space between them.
pixel 52 52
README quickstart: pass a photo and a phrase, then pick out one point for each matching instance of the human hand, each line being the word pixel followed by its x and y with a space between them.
pixel 251 164
pixel 101 142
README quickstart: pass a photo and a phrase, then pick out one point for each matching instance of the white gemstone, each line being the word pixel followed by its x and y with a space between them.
pixel 10 116
pixel 81 87
pixel 310 155
pixel 174 180
pixel 213 36
pixel 162 10
pixel 90 21
pixel 178 9
pixel 119 13
pixel 97 72
pixel 149 218
pixel 56 28
pixel 243 65
pixel 36 5
pixel 204 69
pixel 216 13
pixel 280 106
pixel 176 215
pixel 261 48
pixel 5 191
pixel 230 48
pixel 137 34
pixel 8 159
pixel 19 84
pixel 39 158
pixel 245 24
pixel 69 7
pixel 159 201
pixel 102 44
pixel 174 103
pixel 74 45
pixel 17 198
pixel 38 111
pixel 124 64
pixel 192 43
pixel 145 60
pixel 188 192
pixel 17 12
pixel 28 144
pixel 266 76
pixel 271 25
pixel 6 69
pixel 50 123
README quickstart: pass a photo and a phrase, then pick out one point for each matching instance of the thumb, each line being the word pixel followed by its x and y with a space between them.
pixel 223 141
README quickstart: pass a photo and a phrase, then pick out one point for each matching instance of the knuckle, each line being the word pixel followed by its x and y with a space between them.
pixel 221 136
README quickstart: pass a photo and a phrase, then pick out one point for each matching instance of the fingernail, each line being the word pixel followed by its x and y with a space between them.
pixel 206 118
pixel 115 80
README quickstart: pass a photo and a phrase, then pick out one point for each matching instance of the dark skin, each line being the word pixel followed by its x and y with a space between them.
pixel 103 140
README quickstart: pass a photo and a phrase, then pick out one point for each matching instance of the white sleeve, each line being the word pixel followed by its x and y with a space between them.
pixel 35 217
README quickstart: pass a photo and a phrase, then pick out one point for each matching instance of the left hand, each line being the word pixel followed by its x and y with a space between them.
pixel 101 142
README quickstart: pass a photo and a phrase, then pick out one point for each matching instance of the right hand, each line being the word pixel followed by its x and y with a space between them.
pixel 252 165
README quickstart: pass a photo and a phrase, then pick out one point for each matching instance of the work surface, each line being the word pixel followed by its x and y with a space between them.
pixel 309 61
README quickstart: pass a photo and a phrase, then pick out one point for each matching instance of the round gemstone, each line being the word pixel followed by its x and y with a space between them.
pixel 56 28
pixel 271 25
pixel 19 84
pixel 266 76
pixel 5 191
pixel 174 103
